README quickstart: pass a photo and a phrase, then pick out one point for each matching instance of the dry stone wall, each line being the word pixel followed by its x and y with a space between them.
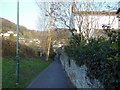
pixel 77 74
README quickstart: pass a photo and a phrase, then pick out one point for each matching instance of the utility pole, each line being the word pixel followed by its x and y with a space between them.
pixel 17 45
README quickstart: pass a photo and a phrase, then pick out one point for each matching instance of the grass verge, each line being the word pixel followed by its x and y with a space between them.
pixel 29 69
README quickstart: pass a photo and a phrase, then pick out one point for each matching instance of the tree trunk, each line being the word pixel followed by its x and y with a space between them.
pixel 49 44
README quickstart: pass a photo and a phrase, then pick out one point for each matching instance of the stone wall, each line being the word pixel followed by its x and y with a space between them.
pixel 77 74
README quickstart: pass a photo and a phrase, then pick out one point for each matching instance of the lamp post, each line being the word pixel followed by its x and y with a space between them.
pixel 17 43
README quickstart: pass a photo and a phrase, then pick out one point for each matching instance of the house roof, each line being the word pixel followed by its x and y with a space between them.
pixel 96 13
pixel 99 32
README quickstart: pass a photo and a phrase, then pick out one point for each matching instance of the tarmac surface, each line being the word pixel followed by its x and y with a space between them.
pixel 52 77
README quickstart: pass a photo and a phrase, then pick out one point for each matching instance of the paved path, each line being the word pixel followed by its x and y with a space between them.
pixel 52 77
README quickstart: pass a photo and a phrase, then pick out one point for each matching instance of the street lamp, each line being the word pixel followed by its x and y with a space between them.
pixel 17 43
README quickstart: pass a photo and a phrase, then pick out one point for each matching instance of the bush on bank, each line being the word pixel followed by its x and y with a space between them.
pixel 101 56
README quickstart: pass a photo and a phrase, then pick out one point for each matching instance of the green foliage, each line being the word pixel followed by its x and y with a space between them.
pixel 100 56
pixel 76 39
pixel 52 53
pixel 11 37
pixel 9 49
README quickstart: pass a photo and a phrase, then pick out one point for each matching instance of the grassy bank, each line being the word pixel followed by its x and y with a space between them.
pixel 29 69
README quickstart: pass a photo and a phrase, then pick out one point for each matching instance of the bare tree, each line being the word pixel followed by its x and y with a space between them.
pixel 48 10
pixel 79 15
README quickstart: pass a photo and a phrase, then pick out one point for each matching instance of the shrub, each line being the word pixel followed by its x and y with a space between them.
pixel 52 53
pixel 101 57
pixel 9 49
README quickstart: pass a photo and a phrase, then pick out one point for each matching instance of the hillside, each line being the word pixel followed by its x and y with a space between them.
pixel 30 36
pixel 7 25
pixel 27 33
pixel 10 26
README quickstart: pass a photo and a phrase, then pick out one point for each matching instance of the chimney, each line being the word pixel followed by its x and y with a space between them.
pixel 73 6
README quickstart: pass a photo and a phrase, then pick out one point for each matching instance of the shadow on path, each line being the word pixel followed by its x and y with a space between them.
pixel 52 77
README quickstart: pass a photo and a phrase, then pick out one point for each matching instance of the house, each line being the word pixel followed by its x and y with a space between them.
pixel 1 34
pixel 35 39
pixel 21 39
pixel 6 34
pixel 10 32
pixel 30 41
pixel 15 35
pixel 89 22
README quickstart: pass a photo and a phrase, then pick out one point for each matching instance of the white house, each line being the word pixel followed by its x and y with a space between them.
pixel 15 35
pixel 1 34
pixel 10 32
pixel 6 34
pixel 30 41
pixel 35 39
pixel 21 39
pixel 92 21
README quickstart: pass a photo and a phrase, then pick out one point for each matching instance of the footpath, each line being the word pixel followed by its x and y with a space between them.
pixel 52 77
